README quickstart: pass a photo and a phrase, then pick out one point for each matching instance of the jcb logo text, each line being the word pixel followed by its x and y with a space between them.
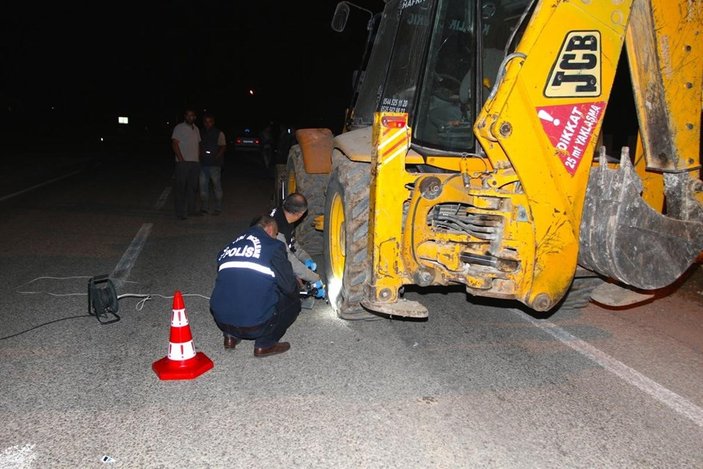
pixel 576 71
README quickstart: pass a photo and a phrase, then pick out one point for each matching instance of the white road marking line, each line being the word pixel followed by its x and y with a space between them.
pixel 18 457
pixel 37 186
pixel 121 271
pixel 635 378
pixel 162 198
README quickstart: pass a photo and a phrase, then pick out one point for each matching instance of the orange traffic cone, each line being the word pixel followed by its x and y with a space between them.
pixel 181 362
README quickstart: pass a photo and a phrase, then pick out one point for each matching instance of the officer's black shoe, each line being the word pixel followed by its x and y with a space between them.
pixel 275 349
pixel 230 342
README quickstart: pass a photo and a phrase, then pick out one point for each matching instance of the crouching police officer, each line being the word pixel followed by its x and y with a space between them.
pixel 256 294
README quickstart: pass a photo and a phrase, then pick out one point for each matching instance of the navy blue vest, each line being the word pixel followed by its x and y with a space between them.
pixel 245 292
pixel 208 140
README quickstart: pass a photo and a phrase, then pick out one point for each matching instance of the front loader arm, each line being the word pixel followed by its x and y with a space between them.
pixel 542 122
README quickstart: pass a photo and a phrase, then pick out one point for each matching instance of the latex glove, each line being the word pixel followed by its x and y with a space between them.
pixel 310 264
pixel 320 289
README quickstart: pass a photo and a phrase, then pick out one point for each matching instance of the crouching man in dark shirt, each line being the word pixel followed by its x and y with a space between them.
pixel 256 293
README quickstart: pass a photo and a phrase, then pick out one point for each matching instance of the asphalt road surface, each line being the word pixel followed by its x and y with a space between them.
pixel 479 384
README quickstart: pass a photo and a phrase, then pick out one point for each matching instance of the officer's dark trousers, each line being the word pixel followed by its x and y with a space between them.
pixel 186 187
pixel 265 335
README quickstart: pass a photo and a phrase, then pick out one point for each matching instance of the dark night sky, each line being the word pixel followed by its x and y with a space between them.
pixel 94 61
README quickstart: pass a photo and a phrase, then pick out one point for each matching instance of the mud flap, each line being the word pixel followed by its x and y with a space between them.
pixel 611 294
pixel 624 238
pixel 401 308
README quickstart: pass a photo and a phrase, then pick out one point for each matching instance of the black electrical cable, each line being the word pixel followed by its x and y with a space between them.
pixel 140 304
pixel 46 324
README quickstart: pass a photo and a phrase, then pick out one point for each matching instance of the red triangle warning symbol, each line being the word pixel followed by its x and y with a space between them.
pixel 569 128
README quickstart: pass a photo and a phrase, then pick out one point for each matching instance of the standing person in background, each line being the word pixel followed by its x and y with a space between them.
pixel 185 142
pixel 267 145
pixel 286 139
pixel 212 155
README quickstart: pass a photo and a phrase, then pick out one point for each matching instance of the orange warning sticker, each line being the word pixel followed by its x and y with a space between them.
pixel 570 128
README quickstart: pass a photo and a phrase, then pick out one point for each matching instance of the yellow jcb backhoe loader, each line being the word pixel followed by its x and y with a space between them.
pixel 537 150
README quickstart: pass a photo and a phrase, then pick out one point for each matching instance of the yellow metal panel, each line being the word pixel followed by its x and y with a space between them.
pixel 452 163
pixel 357 145
pixel 665 50
pixel 391 139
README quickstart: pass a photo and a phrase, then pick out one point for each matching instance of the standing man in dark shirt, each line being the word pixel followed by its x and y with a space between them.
pixel 212 155
pixel 185 142
pixel 256 294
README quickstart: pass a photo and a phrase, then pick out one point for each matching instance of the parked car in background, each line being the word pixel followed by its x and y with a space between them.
pixel 247 140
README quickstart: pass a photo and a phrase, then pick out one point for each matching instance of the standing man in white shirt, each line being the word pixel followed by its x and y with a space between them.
pixel 185 142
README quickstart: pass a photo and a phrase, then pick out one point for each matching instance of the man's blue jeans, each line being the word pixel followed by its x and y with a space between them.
pixel 210 174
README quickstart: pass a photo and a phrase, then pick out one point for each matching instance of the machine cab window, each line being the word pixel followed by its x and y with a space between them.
pixel 439 49
pixel 446 106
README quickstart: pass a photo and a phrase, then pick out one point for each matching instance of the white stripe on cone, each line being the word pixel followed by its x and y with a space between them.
pixel 179 318
pixel 180 352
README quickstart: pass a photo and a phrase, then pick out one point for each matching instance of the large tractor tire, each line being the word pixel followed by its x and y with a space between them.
pixel 578 296
pixel 347 265
pixel 312 186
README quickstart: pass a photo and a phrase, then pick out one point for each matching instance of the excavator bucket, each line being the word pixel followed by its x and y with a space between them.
pixel 624 238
